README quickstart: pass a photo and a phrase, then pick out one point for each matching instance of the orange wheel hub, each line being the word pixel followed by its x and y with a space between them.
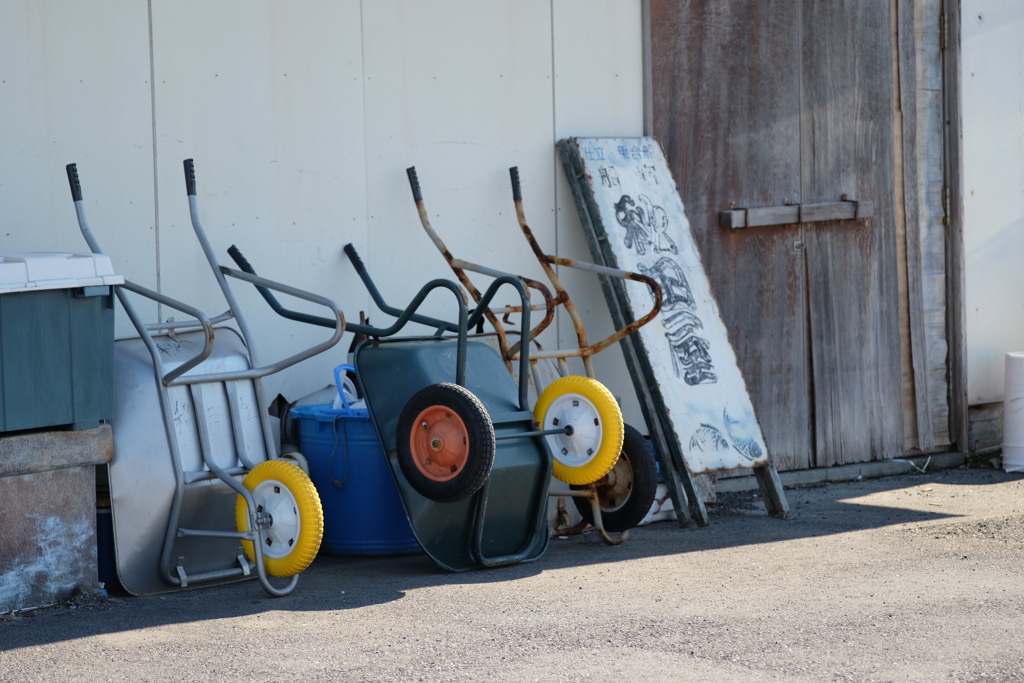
pixel 439 443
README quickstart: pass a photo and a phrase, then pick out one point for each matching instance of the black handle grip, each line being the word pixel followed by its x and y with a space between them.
pixel 353 256
pixel 517 192
pixel 190 178
pixel 76 187
pixel 414 183
pixel 236 255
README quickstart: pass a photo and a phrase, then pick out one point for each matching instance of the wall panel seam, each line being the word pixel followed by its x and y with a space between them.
pixel 156 186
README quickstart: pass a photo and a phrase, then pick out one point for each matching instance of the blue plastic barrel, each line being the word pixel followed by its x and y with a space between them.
pixel 362 512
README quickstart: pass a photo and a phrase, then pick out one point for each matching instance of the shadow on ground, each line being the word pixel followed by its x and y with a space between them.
pixel 349 583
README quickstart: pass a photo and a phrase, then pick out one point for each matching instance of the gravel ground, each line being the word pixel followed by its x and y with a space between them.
pixel 910 578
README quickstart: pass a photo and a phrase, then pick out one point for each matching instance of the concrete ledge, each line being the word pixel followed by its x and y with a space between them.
pixel 867 470
pixel 44 451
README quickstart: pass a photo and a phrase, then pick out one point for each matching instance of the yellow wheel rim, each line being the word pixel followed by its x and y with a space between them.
pixel 591 446
pixel 283 492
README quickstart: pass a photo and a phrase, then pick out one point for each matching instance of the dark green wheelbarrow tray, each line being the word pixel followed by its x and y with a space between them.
pixel 470 467
pixel 504 522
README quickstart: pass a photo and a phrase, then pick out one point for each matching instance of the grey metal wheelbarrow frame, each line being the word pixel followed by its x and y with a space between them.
pixel 175 495
pixel 504 521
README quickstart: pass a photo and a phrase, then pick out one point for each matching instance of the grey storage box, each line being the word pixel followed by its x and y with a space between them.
pixel 56 340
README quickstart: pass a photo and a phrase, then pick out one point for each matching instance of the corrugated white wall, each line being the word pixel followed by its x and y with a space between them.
pixel 993 119
pixel 302 117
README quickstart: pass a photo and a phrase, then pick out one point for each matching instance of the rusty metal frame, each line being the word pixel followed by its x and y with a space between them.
pixel 459 267
pixel 584 349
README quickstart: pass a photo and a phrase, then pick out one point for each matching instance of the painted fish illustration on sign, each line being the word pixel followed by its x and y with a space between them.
pixel 743 438
pixel 708 440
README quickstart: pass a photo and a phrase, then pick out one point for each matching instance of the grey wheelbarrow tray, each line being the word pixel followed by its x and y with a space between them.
pixel 505 521
pixel 182 441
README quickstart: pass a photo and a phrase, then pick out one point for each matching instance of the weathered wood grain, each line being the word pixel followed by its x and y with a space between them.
pixel 930 153
pixel 725 104
pixel 956 288
pixel 847 141
pixel 798 213
pixel 908 84
pixel 764 108
pixel 920 85
pixel 910 440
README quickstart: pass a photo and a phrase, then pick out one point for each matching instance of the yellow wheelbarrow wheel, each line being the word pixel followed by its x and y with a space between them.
pixel 589 448
pixel 283 491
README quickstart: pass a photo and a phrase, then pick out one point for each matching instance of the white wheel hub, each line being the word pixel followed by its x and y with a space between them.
pixel 577 447
pixel 275 500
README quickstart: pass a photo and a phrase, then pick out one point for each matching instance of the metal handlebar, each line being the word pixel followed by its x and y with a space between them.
pixel 200 319
pixel 459 267
pixel 546 261
pixel 357 328
pixel 337 321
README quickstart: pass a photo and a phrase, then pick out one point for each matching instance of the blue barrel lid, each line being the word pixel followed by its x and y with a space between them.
pixel 325 412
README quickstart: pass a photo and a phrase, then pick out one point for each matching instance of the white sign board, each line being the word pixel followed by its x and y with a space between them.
pixel 638 219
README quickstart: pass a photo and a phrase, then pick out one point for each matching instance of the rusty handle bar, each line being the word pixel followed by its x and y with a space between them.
pixel 517 190
pixel 414 183
pixel 652 284
pixel 459 267
pixel 586 349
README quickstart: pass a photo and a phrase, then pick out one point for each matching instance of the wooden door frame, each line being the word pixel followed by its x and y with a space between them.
pixel 956 314
pixel 953 144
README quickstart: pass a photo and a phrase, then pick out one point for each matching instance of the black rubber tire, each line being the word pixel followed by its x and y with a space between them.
pixel 636 462
pixel 479 432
